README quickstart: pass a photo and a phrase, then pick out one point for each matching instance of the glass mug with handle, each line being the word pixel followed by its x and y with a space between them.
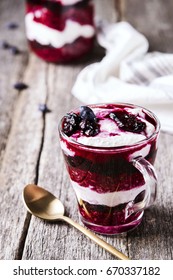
pixel 109 151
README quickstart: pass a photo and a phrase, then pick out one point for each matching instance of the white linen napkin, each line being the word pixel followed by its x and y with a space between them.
pixel 128 73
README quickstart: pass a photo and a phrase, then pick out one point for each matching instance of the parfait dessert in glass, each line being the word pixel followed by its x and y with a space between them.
pixel 109 151
pixel 60 30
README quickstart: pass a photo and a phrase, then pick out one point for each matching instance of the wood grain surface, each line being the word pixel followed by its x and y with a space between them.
pixel 30 151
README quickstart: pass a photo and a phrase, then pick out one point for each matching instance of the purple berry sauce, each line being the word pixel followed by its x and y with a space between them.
pixel 52 16
pixel 104 178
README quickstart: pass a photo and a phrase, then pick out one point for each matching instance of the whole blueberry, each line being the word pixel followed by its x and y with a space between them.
pixel 86 113
pixel 71 123
pixel 88 123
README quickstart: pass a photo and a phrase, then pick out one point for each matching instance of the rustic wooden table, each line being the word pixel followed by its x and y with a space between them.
pixel 30 152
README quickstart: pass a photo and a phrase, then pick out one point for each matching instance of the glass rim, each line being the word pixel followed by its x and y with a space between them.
pixel 112 148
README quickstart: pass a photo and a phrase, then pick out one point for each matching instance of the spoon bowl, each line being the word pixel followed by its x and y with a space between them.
pixel 43 204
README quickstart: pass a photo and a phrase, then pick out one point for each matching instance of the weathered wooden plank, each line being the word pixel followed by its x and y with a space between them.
pixel 154 19
pixel 106 11
pixel 11 66
pixel 19 164
pixel 11 71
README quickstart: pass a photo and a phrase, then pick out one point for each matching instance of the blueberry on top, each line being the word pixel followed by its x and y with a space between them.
pixel 88 123
pixel 71 123
pixel 128 122
pixel 89 128
pixel 85 122
pixel 87 114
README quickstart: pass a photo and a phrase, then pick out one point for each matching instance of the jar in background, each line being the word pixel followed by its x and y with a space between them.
pixel 60 30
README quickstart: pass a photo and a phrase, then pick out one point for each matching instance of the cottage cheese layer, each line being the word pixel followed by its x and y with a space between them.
pixel 110 199
pixel 45 35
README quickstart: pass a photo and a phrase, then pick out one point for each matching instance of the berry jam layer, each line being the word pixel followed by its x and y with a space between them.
pixel 58 32
pixel 108 220
pixel 67 53
pixel 99 144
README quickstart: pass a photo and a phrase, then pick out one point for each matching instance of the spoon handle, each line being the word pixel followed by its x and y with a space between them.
pixel 96 239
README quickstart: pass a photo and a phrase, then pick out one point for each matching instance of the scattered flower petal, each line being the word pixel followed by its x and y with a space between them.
pixel 14 50
pixel 43 108
pixel 20 86
pixel 4 45
pixel 12 25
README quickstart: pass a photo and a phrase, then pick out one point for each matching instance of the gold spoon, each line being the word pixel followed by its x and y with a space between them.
pixel 45 205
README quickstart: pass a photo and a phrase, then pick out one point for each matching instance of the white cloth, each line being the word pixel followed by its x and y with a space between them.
pixel 128 73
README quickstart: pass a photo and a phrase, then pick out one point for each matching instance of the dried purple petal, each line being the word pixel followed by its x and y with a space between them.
pixel 4 45
pixel 12 25
pixel 15 50
pixel 43 108
pixel 20 86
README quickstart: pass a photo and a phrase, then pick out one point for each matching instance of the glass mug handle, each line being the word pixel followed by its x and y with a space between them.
pixel 150 178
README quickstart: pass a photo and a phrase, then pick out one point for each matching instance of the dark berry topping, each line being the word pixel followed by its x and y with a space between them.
pixel 88 123
pixel 71 123
pixel 89 128
pixel 20 86
pixel 85 121
pixel 87 114
pixel 128 122
pixel 43 108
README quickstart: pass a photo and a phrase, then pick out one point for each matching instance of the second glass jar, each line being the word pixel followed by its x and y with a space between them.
pixel 60 30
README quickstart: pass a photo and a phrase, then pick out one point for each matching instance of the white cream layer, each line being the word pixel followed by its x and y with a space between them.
pixel 141 152
pixel 110 199
pixel 65 149
pixel 49 36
